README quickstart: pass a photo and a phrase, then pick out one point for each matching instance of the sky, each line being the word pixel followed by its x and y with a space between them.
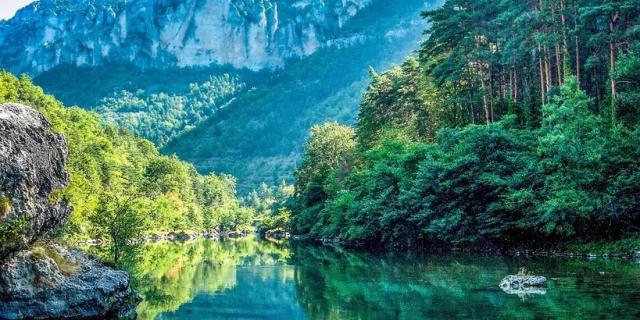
pixel 9 7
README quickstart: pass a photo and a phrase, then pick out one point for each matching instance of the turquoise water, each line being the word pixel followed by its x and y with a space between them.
pixel 252 279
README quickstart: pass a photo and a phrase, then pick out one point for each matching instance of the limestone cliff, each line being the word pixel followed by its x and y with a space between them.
pixel 253 34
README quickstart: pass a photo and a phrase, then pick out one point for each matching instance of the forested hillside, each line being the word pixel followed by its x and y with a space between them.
pixel 516 124
pixel 257 138
pixel 120 186
pixel 246 122
pixel 161 117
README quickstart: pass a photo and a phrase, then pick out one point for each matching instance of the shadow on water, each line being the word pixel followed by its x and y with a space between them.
pixel 252 279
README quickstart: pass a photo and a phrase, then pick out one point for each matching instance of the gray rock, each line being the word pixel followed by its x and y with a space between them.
pixel 236 234
pixel 160 33
pixel 34 286
pixel 277 234
pixel 45 283
pixel 523 284
pixel 32 172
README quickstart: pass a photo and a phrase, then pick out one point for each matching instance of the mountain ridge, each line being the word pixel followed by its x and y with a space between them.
pixel 157 33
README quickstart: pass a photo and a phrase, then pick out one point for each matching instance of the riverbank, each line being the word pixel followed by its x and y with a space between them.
pixel 180 236
pixel 621 249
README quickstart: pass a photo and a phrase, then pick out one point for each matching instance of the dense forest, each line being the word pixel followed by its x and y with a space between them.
pixel 120 186
pixel 516 124
pixel 161 116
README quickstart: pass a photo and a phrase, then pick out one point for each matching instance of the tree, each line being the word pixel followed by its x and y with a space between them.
pixel 121 218
pixel 330 147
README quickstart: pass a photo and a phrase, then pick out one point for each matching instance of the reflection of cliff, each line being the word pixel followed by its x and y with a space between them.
pixel 168 275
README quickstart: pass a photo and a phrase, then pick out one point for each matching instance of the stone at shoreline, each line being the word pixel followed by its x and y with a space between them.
pixel 236 234
pixel 55 283
pixel 159 237
pixel 523 284
pixel 278 234
pixel 32 175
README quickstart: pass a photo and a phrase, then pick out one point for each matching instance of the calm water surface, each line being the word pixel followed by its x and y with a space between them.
pixel 252 279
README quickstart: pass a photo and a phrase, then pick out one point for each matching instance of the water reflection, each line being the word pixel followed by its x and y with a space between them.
pixel 170 275
pixel 250 279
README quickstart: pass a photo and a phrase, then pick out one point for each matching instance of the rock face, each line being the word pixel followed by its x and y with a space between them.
pixel 523 284
pixel 32 174
pixel 54 283
pixel 45 283
pixel 243 33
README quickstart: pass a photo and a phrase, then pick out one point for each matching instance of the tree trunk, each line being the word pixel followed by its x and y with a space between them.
pixel 515 84
pixel 577 40
pixel 557 47
pixel 543 92
pixel 565 40
pixel 613 21
pixel 547 67
pixel 558 64
pixel 485 99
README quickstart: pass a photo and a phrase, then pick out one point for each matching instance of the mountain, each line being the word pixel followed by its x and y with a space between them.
pixel 230 85
pixel 243 33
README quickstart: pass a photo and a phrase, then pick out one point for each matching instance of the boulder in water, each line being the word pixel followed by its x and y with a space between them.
pixel 523 284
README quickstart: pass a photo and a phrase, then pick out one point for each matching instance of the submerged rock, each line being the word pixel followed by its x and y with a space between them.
pixel 523 284
pixel 32 175
pixel 53 283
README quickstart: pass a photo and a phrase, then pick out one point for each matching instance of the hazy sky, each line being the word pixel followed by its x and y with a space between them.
pixel 9 7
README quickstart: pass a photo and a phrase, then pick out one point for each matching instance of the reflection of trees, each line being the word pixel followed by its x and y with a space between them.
pixel 168 275
pixel 337 284
pixel 332 283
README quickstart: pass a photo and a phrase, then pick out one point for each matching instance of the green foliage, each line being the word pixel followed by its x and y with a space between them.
pixel 571 179
pixel 327 153
pixel 5 206
pixel 279 221
pixel 119 185
pixel 628 77
pixel 160 116
pixel 11 229
pixel 551 163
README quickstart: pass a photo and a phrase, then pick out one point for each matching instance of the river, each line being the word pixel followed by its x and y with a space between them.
pixel 255 279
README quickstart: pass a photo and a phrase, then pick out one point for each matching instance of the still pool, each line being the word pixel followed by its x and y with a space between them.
pixel 253 279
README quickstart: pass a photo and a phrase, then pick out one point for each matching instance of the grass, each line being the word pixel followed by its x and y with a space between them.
pixel 67 268
pixel 5 206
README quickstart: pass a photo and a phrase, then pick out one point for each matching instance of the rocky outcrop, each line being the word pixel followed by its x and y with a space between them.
pixel 32 175
pixel 53 283
pixel 159 33
pixel 277 234
pixel 45 282
pixel 523 284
